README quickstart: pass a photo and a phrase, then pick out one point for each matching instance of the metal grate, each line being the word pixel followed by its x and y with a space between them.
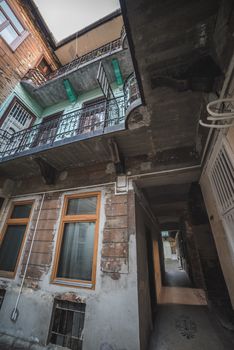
pixel 67 324
pixel 221 174
pixel 2 295
pixel 17 119
pixel 222 178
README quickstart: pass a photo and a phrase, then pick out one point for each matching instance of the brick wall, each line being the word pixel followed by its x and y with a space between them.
pixel 14 65
pixel 115 236
pixel 119 224
pixel 41 255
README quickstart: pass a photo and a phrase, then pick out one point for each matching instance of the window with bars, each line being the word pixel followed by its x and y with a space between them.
pixel 11 29
pixel 2 295
pixel 67 324
pixel 221 175
pixel 16 118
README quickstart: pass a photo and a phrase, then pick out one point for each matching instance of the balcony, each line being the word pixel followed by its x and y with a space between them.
pixel 105 117
pixel 100 53
pixel 81 72
pixel 95 120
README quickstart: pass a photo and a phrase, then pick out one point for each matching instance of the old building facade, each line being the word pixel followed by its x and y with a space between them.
pixel 101 151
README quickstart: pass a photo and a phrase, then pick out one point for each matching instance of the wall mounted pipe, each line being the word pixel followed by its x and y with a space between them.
pixel 15 311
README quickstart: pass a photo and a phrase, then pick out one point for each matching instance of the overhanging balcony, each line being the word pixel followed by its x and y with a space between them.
pixel 81 73
pixel 96 121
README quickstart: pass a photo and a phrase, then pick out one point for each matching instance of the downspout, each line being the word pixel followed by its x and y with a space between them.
pixel 222 95
pixel 15 311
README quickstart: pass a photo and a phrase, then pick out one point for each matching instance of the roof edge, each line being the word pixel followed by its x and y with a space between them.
pixel 90 27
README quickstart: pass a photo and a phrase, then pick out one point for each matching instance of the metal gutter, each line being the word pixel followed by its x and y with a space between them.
pixel 132 48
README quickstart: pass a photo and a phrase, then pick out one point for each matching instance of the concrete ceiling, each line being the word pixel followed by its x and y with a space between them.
pixel 172 42
pixel 168 202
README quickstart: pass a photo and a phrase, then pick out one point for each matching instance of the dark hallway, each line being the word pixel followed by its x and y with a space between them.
pixel 186 315
pixel 175 276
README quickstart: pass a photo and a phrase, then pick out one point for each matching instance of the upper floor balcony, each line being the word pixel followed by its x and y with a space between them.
pixel 81 72
pixel 94 120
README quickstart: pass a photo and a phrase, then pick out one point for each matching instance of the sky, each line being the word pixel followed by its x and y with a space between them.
pixel 65 17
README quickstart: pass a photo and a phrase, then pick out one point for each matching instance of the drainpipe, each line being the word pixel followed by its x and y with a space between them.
pixel 15 311
pixel 222 94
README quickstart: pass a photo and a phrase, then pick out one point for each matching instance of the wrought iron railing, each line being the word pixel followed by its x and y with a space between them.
pixel 39 79
pixel 94 118
pixel 131 90
pixel 89 121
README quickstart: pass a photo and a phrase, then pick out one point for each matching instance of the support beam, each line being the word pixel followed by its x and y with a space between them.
pixel 48 172
pixel 116 156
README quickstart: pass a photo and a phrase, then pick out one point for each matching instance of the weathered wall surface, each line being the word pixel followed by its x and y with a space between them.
pixel 225 253
pixel 143 223
pixel 112 308
pixel 193 263
pixel 14 65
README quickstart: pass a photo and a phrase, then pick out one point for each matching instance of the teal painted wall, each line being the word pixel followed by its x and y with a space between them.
pixel 25 98
pixel 65 106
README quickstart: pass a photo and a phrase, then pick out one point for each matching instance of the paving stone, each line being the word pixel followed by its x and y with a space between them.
pixel 37 347
pixel 6 342
pixel 21 345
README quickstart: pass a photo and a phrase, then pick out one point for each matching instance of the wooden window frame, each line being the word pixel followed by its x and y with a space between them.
pixel 20 36
pixel 38 62
pixel 9 108
pixel 89 104
pixel 41 130
pixel 77 218
pixel 10 221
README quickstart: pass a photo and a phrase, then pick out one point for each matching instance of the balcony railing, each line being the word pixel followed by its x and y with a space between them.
pixel 86 122
pixel 131 92
pixel 39 79
pixel 97 119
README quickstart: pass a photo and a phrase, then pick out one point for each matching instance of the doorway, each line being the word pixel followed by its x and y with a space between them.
pixel 175 265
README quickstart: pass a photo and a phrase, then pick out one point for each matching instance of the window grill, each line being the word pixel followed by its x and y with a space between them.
pixel 17 119
pixel 221 175
pixel 222 178
pixel 2 295
pixel 67 324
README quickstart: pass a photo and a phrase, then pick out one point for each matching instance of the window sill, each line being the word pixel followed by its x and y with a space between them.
pixel 18 41
pixel 76 284
pixel 5 274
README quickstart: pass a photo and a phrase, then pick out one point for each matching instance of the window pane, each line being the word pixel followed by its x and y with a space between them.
pixel 10 247
pixel 67 324
pixel 2 18
pixel 76 256
pixel 79 206
pixel 1 202
pixel 21 211
pixel 9 34
pixel 12 17
pixel 2 294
